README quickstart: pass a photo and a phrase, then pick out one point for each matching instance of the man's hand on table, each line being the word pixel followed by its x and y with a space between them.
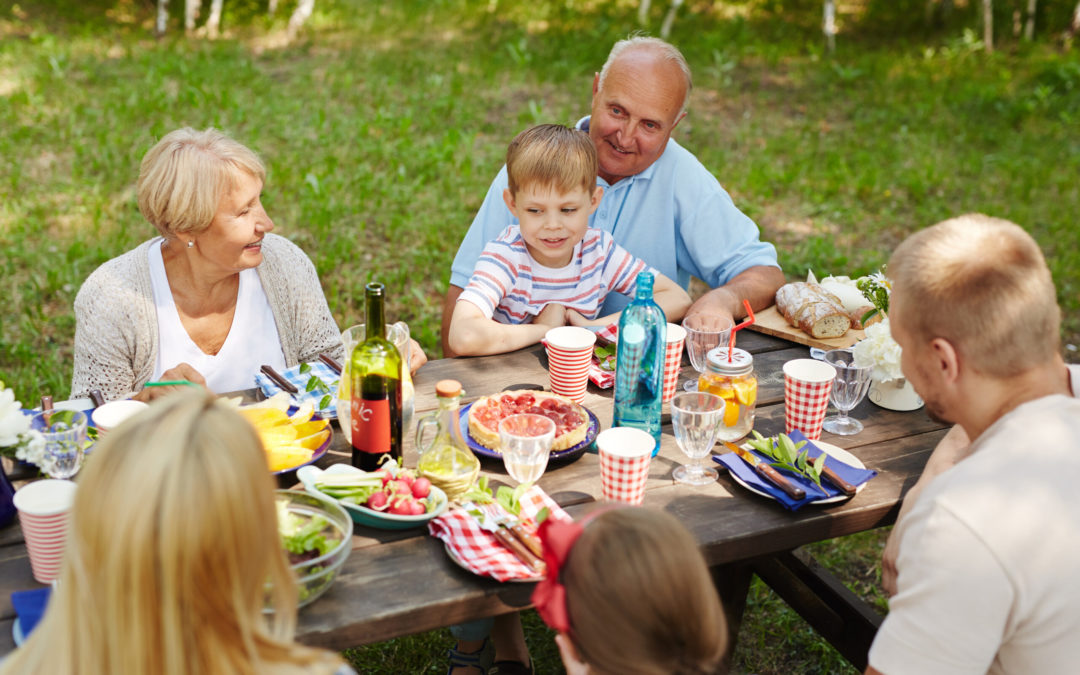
pixel 757 284
pixel 417 357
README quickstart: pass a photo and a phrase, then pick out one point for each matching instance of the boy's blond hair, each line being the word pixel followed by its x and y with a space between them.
pixel 554 156
pixel 982 284
pixel 184 176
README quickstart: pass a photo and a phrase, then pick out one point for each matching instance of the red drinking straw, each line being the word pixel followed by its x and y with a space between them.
pixel 749 320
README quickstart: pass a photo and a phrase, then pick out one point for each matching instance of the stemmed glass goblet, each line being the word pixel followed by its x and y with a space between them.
pixel 696 418
pixel 848 389
pixel 703 333
pixel 525 443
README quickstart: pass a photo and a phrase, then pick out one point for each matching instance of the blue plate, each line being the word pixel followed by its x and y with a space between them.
pixel 557 455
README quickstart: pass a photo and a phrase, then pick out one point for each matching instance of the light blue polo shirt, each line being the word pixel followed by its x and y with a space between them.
pixel 674 215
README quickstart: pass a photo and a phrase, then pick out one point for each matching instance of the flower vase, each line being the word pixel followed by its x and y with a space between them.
pixel 895 394
pixel 7 503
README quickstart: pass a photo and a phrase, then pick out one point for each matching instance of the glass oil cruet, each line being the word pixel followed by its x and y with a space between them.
pixel 445 459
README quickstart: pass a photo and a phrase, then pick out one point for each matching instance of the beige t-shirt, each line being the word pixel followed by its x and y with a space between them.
pixel 989 564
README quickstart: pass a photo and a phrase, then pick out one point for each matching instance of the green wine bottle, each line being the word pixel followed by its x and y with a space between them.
pixel 375 407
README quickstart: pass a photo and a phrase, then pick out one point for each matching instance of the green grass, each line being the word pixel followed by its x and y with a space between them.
pixel 383 125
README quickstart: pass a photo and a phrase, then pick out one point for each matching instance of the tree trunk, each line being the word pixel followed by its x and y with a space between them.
pixel 213 24
pixel 1029 25
pixel 828 25
pixel 191 12
pixel 988 25
pixel 299 16
pixel 669 19
pixel 162 17
pixel 643 11
pixel 1074 27
pixel 271 8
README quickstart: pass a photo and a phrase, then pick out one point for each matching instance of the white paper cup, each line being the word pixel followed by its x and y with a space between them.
pixel 44 511
pixel 625 454
pixel 807 383
pixel 570 352
pixel 113 413
pixel 676 337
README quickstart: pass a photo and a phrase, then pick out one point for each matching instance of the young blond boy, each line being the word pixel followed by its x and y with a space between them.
pixel 551 269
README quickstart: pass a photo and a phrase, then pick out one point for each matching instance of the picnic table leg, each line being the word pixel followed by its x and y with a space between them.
pixel 831 609
pixel 732 582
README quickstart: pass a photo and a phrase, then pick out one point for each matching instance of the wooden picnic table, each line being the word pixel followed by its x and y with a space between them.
pixel 399 583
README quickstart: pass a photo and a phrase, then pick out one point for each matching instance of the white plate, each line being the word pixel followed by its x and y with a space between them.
pixel 16 632
pixel 79 404
pixel 829 449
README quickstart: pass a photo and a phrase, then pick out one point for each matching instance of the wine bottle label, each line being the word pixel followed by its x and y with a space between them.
pixel 370 421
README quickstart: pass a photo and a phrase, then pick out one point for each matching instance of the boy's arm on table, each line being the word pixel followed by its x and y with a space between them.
pixel 472 333
pixel 668 294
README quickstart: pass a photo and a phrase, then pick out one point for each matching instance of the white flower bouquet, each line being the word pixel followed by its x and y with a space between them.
pixel 878 348
pixel 17 439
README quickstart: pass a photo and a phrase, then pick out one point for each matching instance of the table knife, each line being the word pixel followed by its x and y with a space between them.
pixel 767 471
pixel 278 379
pixel 841 484
pixel 504 537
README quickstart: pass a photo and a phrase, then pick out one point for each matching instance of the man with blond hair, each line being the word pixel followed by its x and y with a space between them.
pixel 660 203
pixel 988 554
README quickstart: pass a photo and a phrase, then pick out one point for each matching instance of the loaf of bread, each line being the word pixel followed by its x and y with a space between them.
pixel 811 308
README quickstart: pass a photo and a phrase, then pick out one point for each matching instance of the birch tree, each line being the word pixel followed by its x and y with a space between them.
pixel 988 24
pixel 162 20
pixel 1029 24
pixel 828 25
pixel 669 18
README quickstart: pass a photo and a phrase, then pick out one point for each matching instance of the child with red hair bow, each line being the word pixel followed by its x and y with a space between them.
pixel 629 594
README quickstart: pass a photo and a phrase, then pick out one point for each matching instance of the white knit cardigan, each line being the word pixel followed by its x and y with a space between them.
pixel 116 327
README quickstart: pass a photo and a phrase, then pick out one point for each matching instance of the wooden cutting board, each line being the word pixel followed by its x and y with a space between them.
pixel 771 322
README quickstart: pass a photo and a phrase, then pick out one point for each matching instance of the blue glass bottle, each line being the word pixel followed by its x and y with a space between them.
pixel 639 362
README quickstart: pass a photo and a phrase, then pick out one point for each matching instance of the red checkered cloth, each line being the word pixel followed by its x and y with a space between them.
pixel 605 379
pixel 478 550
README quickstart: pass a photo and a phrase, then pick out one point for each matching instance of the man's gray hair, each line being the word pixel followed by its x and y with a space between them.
pixel 666 51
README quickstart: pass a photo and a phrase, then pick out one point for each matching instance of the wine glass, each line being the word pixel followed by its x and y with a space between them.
pixel 64 432
pixel 525 442
pixel 848 389
pixel 703 333
pixel 696 417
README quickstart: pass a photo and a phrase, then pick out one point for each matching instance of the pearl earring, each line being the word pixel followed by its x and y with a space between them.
pixel 191 243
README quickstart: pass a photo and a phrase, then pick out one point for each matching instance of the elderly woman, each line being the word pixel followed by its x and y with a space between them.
pixel 173 556
pixel 214 297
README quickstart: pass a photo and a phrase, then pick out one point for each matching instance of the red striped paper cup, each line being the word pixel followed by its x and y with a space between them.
pixel 807 383
pixel 569 351
pixel 625 454
pixel 44 511
pixel 676 337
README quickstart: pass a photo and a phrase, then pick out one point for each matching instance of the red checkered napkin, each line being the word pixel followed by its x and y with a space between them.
pixel 605 379
pixel 478 550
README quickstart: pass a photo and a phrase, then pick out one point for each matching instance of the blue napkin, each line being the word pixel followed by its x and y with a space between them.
pixel 29 607
pixel 300 380
pixel 746 473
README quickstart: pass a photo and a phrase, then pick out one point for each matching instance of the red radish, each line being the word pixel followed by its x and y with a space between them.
pixel 398 487
pixel 386 474
pixel 421 488
pixel 418 509
pixel 377 501
pixel 406 476
pixel 402 506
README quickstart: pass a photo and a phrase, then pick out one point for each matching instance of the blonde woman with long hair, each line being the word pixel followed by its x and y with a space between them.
pixel 173 539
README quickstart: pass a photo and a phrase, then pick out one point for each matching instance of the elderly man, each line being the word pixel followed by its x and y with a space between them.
pixel 988 554
pixel 659 202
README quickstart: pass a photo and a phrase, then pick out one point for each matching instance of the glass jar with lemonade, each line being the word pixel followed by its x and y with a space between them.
pixel 734 381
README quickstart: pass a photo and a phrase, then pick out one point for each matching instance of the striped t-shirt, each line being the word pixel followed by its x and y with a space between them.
pixel 510 287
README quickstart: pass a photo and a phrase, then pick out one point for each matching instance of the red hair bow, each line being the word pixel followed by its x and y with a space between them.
pixel 549 596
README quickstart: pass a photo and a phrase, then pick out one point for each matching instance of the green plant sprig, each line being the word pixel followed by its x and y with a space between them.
pixel 315 382
pixel 786 455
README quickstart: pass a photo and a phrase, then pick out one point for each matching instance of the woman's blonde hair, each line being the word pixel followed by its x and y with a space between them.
pixel 640 598
pixel 184 176
pixel 982 284
pixel 173 553
pixel 551 155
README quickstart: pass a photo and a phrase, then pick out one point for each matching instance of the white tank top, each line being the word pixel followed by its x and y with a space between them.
pixel 253 338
